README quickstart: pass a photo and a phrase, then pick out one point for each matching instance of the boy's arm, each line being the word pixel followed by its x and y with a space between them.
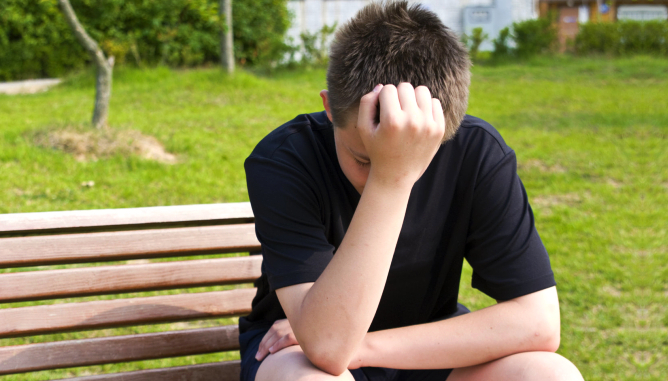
pixel 524 324
pixel 331 317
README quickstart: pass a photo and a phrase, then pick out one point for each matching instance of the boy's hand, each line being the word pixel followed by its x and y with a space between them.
pixel 279 336
pixel 410 131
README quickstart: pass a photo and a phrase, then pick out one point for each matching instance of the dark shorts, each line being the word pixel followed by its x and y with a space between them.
pixel 250 342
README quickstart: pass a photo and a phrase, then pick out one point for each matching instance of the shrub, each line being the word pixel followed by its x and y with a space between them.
pixel 600 38
pixel 315 46
pixel 501 48
pixel 259 31
pixel 474 41
pixel 35 40
pixel 624 37
pixel 534 36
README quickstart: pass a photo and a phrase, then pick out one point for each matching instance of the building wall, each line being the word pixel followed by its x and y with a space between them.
pixel 311 15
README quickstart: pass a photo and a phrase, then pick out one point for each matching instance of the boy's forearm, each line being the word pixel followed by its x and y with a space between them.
pixel 503 329
pixel 338 309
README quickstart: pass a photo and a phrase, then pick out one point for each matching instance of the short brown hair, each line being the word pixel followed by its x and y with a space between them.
pixel 390 43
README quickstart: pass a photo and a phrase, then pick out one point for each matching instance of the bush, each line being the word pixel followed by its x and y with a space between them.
pixel 501 48
pixel 315 46
pixel 474 41
pixel 35 40
pixel 534 36
pixel 624 37
pixel 259 31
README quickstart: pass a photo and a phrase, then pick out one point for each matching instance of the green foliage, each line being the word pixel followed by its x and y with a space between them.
pixel 315 46
pixel 259 31
pixel 501 48
pixel 534 36
pixel 474 41
pixel 35 40
pixel 625 37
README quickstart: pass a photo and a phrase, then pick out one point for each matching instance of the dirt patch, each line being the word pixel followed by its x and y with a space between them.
pixel 535 164
pixel 641 253
pixel 569 199
pixel 87 145
pixel 612 291
pixel 614 183
pixel 546 203
pixel 642 359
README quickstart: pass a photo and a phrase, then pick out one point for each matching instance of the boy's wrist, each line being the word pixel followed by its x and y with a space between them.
pixel 361 358
pixel 396 184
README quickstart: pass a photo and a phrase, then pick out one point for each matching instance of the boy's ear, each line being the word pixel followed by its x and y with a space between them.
pixel 324 94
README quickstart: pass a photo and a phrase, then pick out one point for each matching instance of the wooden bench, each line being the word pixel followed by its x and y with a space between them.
pixel 31 240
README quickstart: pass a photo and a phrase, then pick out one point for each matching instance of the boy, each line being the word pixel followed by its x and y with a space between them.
pixel 367 210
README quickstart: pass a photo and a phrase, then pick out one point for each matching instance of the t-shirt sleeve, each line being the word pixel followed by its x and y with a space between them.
pixel 288 222
pixel 503 247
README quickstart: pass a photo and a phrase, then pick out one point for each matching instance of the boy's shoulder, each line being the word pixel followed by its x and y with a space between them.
pixel 299 131
pixel 478 132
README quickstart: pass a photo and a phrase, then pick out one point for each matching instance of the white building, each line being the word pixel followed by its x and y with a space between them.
pixel 311 15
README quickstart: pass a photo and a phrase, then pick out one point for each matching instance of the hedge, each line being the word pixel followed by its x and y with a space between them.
pixel 35 41
pixel 624 37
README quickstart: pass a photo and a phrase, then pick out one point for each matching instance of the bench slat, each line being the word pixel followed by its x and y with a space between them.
pixel 108 350
pixel 97 247
pixel 25 321
pixel 224 371
pixel 38 285
pixel 110 219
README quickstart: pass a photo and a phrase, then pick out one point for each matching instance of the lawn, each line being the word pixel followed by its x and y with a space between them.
pixel 590 136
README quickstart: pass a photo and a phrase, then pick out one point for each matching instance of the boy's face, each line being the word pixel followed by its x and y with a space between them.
pixel 350 150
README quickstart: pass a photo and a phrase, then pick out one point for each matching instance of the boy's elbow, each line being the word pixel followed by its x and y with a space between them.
pixel 327 360
pixel 331 366
pixel 547 332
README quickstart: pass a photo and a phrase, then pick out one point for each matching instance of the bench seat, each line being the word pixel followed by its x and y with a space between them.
pixel 60 255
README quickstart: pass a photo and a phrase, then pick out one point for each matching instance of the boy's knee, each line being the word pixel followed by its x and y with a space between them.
pixel 548 366
pixel 526 366
pixel 291 364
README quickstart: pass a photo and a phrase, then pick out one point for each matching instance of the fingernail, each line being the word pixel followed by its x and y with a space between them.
pixel 377 88
pixel 257 356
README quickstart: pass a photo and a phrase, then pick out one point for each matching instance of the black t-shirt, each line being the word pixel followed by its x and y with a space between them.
pixel 469 203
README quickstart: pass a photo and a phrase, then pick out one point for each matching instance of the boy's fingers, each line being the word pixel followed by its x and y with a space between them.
pixel 424 101
pixel 366 115
pixel 407 96
pixel 263 350
pixel 367 110
pixel 437 111
pixel 283 342
pixel 389 102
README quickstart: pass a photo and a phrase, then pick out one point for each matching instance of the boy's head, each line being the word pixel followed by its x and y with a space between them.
pixel 393 42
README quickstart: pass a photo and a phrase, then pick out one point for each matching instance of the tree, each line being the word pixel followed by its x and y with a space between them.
pixel 226 43
pixel 104 65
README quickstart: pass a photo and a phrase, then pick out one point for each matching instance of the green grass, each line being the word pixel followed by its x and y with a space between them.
pixel 590 136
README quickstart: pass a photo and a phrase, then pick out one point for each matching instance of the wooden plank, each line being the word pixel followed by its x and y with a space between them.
pixel 56 318
pixel 98 247
pixel 222 371
pixel 111 219
pixel 37 285
pixel 108 350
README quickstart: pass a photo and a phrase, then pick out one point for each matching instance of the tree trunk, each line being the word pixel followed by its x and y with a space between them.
pixel 226 44
pixel 104 65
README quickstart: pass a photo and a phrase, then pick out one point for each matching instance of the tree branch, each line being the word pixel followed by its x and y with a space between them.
pixel 104 65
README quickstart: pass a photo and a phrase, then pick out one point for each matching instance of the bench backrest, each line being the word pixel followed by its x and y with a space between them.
pixel 33 241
